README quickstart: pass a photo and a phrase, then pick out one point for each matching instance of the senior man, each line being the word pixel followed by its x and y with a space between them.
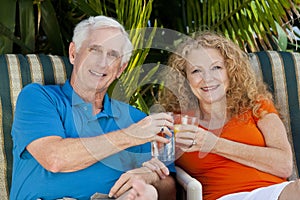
pixel 74 140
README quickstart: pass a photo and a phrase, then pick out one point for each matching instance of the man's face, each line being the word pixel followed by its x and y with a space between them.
pixel 98 61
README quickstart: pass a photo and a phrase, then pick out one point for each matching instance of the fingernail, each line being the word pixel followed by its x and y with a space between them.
pixel 110 195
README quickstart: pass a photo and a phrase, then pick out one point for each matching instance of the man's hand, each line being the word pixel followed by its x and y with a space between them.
pixel 157 166
pixel 148 129
pixel 124 183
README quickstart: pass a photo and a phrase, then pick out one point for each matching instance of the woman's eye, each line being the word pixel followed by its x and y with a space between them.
pixel 196 71
pixel 216 67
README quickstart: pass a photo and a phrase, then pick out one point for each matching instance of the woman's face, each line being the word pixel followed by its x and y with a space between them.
pixel 207 75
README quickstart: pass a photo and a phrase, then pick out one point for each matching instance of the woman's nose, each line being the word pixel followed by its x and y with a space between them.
pixel 207 76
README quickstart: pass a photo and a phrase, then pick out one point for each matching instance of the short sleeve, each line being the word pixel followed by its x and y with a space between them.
pixel 266 106
pixel 36 116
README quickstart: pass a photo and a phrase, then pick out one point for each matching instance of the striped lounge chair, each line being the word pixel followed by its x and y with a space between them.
pixel 280 70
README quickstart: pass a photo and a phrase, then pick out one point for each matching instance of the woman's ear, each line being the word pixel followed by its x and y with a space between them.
pixel 72 52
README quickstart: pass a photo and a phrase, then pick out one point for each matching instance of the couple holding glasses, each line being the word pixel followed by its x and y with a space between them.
pixel 75 141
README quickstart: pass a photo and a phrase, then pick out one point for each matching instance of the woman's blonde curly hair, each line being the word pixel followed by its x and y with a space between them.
pixel 244 92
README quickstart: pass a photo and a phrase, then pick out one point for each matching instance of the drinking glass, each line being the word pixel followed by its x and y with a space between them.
pixel 183 119
pixel 164 152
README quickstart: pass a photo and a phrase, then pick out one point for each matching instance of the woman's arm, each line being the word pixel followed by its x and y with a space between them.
pixel 276 158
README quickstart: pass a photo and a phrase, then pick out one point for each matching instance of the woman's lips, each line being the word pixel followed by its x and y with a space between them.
pixel 210 88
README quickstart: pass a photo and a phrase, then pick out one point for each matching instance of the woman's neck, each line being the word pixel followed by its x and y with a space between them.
pixel 213 116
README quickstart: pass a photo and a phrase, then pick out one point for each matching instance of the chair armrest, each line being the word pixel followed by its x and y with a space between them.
pixel 192 186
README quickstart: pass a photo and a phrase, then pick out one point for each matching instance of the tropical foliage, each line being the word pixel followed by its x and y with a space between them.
pixel 45 26
pixel 254 25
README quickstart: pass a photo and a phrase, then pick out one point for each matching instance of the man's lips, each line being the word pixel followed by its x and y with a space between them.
pixel 97 73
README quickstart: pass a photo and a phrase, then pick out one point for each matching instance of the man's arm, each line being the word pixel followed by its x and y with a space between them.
pixel 72 154
pixel 58 154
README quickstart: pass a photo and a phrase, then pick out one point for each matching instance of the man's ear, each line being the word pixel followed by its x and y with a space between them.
pixel 122 68
pixel 72 52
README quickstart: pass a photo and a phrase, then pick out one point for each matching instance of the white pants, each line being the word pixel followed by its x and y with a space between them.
pixel 269 193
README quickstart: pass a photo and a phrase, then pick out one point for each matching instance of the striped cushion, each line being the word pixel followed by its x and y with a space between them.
pixel 281 71
pixel 16 71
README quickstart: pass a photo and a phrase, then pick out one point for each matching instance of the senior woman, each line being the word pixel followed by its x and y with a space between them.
pixel 240 149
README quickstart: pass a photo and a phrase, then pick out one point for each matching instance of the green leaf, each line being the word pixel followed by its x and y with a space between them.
pixel 91 8
pixel 148 77
pixel 140 102
pixel 51 28
pixel 246 19
pixel 7 19
pixel 9 36
pixel 27 28
pixel 282 38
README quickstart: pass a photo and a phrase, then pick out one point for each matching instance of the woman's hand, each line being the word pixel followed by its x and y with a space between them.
pixel 191 138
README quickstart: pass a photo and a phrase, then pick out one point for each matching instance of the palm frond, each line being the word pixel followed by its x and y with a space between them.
pixel 27 28
pixel 51 27
pixel 245 20
pixel 8 22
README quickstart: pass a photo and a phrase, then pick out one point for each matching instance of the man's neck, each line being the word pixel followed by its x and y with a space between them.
pixel 98 102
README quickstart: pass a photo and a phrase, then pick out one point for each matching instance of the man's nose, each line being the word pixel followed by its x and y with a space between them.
pixel 102 60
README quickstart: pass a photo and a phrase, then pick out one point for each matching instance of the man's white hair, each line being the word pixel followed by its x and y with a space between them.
pixel 82 30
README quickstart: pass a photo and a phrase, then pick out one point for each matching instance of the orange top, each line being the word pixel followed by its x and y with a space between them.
pixel 220 176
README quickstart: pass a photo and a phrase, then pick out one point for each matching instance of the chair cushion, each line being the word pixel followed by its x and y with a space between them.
pixel 281 71
pixel 16 71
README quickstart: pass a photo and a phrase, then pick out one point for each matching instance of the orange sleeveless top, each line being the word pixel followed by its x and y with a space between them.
pixel 220 176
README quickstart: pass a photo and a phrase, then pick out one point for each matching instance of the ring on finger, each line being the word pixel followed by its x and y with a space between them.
pixel 194 142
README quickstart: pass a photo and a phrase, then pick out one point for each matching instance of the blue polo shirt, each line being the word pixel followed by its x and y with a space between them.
pixel 55 110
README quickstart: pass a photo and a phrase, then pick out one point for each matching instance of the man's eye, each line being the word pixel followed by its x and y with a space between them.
pixel 94 49
pixel 113 54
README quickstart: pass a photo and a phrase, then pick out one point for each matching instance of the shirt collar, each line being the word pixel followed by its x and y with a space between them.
pixel 75 100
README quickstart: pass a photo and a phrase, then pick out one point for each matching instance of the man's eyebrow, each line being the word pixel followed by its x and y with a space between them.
pixel 98 46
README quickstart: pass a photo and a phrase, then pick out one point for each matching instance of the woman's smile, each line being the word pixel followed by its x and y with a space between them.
pixel 209 88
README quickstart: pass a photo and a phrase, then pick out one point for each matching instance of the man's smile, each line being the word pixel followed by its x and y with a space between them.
pixel 97 73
